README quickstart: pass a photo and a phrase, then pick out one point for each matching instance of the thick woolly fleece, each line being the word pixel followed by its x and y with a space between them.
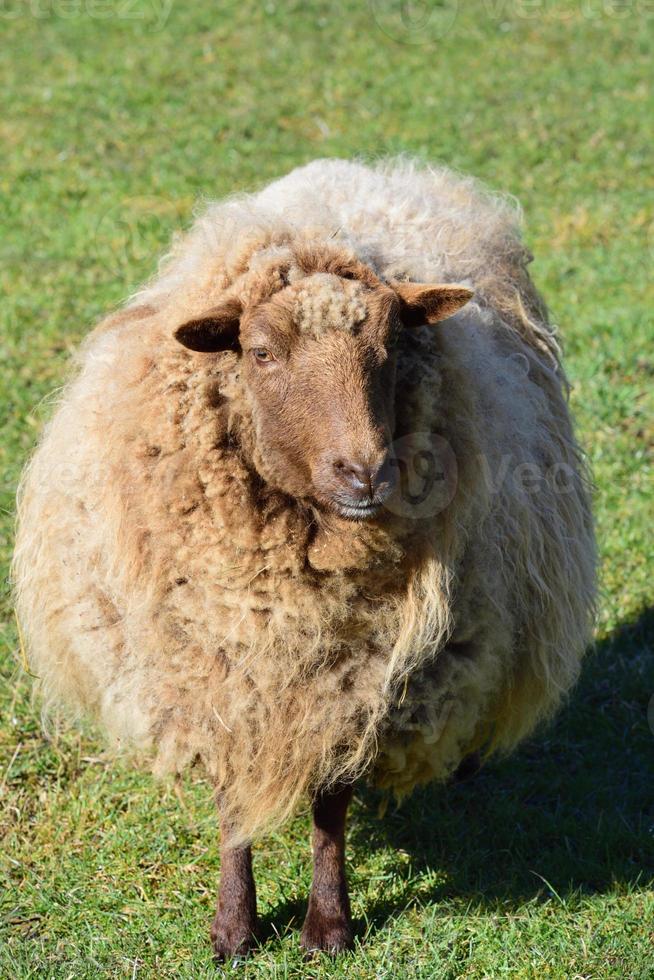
pixel 163 585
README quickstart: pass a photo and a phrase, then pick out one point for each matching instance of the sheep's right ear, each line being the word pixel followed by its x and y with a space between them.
pixel 421 303
pixel 215 330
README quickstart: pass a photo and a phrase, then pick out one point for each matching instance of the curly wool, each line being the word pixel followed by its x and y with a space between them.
pixel 328 303
pixel 162 586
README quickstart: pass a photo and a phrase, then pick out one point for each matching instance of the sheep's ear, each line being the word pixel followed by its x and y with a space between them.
pixel 214 330
pixel 428 304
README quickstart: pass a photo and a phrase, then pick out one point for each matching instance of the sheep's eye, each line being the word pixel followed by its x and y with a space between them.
pixel 262 355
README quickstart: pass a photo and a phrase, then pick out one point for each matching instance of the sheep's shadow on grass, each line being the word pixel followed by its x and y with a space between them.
pixel 571 813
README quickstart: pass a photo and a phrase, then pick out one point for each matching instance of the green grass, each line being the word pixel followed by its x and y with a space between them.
pixel 117 119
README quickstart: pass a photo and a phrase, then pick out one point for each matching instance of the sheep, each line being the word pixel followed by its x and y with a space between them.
pixel 312 510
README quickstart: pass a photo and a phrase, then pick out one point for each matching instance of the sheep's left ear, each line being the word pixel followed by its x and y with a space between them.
pixel 215 330
pixel 428 304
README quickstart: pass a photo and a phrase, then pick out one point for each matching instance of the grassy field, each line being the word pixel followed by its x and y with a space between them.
pixel 118 117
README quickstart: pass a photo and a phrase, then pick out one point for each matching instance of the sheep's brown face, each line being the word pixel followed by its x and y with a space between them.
pixel 318 362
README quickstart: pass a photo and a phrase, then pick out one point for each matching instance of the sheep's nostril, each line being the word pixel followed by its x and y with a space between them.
pixel 356 476
pixel 362 478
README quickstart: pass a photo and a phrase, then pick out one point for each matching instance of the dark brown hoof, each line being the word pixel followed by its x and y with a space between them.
pixel 326 934
pixel 232 937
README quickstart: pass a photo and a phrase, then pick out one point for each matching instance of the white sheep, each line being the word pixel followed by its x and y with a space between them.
pixel 340 541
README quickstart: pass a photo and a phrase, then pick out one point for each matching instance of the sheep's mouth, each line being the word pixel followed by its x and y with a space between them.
pixel 354 507
pixel 362 509
pixel 358 511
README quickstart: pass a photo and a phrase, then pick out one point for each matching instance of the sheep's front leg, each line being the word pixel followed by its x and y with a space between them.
pixel 328 924
pixel 234 928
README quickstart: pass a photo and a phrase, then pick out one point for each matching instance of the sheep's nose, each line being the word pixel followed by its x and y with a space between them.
pixel 362 478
